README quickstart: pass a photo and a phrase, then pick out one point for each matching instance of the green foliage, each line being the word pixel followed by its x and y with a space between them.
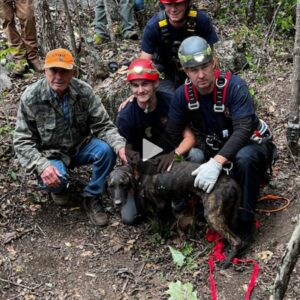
pixel 13 175
pixel 183 258
pixel 6 129
pixel 252 92
pixel 282 13
pixel 4 52
pixel 177 256
pixel 179 291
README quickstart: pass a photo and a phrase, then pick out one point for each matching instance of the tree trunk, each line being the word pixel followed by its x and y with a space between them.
pixel 288 262
pixel 47 29
pixel 251 11
pixel 293 131
pixel 71 32
pixel 109 21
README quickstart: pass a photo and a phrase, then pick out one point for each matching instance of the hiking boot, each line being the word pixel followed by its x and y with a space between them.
pixel 131 35
pixel 95 210
pixel 61 199
pixel 36 65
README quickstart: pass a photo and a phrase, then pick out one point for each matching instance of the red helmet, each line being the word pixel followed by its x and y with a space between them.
pixel 142 68
pixel 172 1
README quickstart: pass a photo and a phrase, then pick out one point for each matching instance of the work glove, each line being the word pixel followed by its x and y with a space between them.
pixel 133 157
pixel 207 175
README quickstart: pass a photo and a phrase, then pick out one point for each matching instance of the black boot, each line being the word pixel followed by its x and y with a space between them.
pixel 245 231
pixel 95 210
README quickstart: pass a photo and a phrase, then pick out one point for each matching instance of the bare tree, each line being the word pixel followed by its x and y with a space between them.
pixel 71 32
pixel 288 262
pixel 293 131
pixel 47 28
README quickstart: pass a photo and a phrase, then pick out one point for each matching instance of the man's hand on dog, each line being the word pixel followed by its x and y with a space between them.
pixel 207 175
pixel 133 157
pixel 122 155
pixel 164 161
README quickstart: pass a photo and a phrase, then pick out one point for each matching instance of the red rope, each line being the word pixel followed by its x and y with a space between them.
pixel 218 255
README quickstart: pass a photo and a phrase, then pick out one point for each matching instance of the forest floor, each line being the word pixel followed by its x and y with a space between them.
pixel 49 252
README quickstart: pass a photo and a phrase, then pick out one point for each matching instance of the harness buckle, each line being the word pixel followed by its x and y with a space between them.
pixel 228 167
pixel 219 108
pixel 221 85
pixel 213 142
pixel 193 105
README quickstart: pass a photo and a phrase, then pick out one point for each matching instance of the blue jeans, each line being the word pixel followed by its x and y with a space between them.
pixel 95 152
pixel 138 5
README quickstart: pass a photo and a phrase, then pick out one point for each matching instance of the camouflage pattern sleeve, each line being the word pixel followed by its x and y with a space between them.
pixel 26 140
pixel 101 124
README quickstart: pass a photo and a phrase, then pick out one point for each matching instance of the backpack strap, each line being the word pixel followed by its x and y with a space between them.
pixel 163 25
pixel 191 95
pixel 192 21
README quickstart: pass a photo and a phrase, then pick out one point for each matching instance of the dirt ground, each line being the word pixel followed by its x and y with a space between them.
pixel 49 252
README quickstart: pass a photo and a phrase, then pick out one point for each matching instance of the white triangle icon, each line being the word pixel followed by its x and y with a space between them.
pixel 150 150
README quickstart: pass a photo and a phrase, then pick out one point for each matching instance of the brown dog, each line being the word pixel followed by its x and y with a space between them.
pixel 220 206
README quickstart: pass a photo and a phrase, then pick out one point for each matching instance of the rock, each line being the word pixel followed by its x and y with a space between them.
pixel 5 82
pixel 230 56
pixel 112 91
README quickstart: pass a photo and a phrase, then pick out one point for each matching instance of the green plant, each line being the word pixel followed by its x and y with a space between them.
pixel 6 129
pixel 179 291
pixel 183 258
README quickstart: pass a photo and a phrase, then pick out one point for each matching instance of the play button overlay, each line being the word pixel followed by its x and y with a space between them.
pixel 150 150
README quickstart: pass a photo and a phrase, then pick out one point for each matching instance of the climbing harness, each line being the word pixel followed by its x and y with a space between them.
pixel 173 45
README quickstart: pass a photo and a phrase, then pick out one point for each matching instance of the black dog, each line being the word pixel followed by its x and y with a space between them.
pixel 120 184
pixel 220 206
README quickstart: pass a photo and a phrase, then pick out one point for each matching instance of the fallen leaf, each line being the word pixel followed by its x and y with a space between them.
pixel 86 253
pixel 90 275
pixel 115 224
pixel 76 208
pixel 265 255
pixel 131 242
pixel 122 70
pixel 7 237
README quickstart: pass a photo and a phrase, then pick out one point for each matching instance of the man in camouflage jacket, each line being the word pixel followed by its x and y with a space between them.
pixel 62 124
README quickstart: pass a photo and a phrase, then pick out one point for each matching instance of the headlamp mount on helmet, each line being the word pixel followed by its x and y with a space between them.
pixel 194 51
pixel 142 68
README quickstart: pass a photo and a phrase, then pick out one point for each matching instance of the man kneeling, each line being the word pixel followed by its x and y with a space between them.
pixel 62 124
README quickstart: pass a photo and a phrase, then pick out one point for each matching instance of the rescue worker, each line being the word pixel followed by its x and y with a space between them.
pixel 222 116
pixel 165 31
pixel 62 124
pixel 127 21
pixel 145 117
pixel 24 41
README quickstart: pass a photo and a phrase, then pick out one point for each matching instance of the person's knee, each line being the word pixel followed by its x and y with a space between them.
pixel 104 151
pixel 128 216
pixel 129 213
pixel 196 155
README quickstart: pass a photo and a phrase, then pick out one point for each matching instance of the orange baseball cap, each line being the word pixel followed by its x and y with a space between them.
pixel 59 58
